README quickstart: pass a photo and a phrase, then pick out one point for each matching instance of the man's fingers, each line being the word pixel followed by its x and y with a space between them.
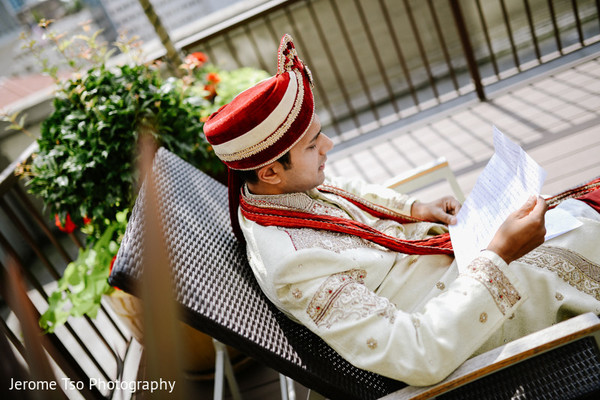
pixel 453 206
pixel 444 217
pixel 527 207
pixel 541 206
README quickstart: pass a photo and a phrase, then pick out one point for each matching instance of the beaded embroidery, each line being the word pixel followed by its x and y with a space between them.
pixel 570 266
pixel 296 201
pixel 306 238
pixel 372 343
pixel 343 296
pixel 502 291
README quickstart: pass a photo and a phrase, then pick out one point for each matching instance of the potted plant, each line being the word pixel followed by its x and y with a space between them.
pixel 84 169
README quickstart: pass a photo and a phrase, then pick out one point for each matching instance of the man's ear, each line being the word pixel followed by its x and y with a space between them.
pixel 270 174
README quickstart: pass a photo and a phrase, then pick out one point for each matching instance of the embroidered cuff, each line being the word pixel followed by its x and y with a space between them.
pixel 486 271
pixel 406 208
pixel 495 258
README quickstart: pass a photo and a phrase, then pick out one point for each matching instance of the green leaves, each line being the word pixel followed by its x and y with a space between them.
pixel 84 281
pixel 16 125
pixel 87 145
pixel 85 172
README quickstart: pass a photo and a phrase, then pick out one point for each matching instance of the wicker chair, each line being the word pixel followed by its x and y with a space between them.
pixel 220 296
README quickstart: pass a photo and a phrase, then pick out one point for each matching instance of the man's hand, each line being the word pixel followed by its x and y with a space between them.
pixel 442 210
pixel 522 231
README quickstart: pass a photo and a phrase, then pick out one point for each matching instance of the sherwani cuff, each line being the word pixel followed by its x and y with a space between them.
pixel 491 271
pixel 495 258
pixel 406 208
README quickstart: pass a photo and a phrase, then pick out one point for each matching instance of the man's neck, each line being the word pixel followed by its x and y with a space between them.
pixel 260 188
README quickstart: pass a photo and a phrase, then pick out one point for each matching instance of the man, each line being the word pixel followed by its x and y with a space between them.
pixel 370 270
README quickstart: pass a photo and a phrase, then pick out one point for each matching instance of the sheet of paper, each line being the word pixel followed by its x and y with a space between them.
pixel 559 221
pixel 509 178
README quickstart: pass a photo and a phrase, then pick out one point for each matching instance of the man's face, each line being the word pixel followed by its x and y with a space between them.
pixel 307 158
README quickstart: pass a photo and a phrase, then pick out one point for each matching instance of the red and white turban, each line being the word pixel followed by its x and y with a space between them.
pixel 264 122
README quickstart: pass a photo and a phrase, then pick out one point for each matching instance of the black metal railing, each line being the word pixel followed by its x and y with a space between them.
pixel 378 61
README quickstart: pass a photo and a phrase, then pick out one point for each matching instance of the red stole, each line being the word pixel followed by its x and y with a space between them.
pixel 439 244
pixel 269 216
pixel 588 193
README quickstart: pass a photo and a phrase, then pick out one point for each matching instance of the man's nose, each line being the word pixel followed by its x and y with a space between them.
pixel 326 145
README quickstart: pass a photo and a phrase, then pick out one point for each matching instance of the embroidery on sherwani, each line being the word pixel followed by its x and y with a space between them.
pixel 304 238
pixel 344 296
pixel 570 266
pixel 503 292
pixel 296 201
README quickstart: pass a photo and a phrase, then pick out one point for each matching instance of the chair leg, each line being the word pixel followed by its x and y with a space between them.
pixel 287 388
pixel 312 395
pixel 219 361
pixel 460 196
pixel 223 368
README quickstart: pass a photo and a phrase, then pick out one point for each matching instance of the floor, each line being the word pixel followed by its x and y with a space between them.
pixel 255 380
pixel 555 117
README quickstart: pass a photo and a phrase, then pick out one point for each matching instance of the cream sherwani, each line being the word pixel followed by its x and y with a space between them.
pixel 415 318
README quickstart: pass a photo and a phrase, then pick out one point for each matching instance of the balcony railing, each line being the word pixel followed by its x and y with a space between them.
pixel 375 64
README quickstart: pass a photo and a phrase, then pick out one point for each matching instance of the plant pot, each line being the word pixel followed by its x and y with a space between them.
pixel 199 351
pixel 129 310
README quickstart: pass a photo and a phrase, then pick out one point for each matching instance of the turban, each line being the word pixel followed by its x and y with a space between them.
pixel 263 122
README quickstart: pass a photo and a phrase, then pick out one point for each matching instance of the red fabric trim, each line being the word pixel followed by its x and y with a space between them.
pixel 234 186
pixel 592 199
pixel 575 193
pixel 373 209
pixel 440 244
pixel 296 219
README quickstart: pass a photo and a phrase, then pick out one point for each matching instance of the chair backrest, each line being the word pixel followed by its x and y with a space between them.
pixel 217 289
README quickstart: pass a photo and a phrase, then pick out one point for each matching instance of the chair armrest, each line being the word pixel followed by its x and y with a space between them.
pixel 504 356
pixel 424 175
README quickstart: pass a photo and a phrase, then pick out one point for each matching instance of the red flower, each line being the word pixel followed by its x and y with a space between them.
pixel 213 77
pixel 212 91
pixel 196 59
pixel 200 56
pixel 69 225
pixel 112 264
pixel 86 220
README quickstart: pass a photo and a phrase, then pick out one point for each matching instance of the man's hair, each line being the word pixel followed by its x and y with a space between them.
pixel 251 176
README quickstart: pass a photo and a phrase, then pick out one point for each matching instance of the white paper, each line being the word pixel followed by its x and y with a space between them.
pixel 559 221
pixel 509 179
